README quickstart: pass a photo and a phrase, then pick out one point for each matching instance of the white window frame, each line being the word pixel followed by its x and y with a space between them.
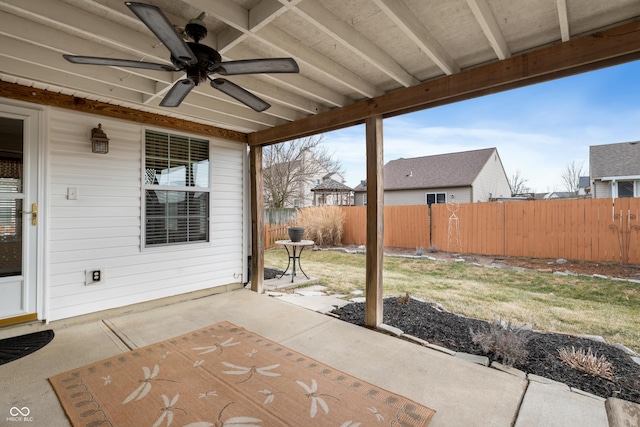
pixel 634 190
pixel 426 196
pixel 206 192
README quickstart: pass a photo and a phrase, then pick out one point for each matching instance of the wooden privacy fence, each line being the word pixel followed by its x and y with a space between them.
pixel 275 232
pixel 599 230
pixel 404 226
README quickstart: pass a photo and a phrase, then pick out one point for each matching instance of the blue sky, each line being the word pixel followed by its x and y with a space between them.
pixel 537 130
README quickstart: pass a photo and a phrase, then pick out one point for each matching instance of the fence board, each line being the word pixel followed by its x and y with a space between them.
pixel 275 232
pixel 406 226
pixel 355 225
pixel 598 230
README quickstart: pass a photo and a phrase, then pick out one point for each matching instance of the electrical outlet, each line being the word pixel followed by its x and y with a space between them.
pixel 94 276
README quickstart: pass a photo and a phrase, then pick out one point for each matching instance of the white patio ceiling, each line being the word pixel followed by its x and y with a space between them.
pixel 348 50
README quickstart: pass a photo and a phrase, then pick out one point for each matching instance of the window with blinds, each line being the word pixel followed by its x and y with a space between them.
pixel 176 189
pixel 431 198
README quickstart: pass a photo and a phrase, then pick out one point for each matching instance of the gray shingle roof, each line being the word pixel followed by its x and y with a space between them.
pixel 621 159
pixel 361 187
pixel 442 170
pixel 331 185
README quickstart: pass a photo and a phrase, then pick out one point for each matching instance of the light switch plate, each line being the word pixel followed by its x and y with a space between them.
pixel 72 193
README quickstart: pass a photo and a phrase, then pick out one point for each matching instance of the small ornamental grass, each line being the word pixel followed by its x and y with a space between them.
pixel 506 342
pixel 322 224
pixel 587 361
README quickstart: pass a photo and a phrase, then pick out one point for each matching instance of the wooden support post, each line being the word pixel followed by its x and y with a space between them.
pixel 257 220
pixel 375 222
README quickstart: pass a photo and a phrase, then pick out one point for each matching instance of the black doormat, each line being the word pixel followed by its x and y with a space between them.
pixel 16 347
pixel 271 273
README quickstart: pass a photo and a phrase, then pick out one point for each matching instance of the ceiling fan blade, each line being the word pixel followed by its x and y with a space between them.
pixel 240 94
pixel 177 93
pixel 158 23
pixel 258 66
pixel 94 60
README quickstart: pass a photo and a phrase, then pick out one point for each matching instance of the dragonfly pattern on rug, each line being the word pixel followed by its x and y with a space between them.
pixel 145 384
pixel 316 398
pixel 241 370
pixel 216 346
pixel 231 422
pixel 168 409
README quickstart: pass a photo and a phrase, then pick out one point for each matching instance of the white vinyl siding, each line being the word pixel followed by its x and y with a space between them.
pixel 417 196
pixel 491 182
pixel 102 229
pixel 601 189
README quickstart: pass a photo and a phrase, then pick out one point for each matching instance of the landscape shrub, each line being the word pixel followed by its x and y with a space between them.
pixel 587 361
pixel 322 224
pixel 506 342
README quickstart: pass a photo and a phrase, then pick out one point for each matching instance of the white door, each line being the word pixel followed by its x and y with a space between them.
pixel 19 218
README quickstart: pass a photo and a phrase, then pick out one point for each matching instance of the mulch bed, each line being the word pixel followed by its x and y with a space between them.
pixel 437 326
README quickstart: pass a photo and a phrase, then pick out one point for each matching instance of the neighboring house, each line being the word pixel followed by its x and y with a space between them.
pixel 469 176
pixel 584 186
pixel 332 192
pixel 360 194
pixel 615 170
pixel 162 213
pixel 559 195
pixel 304 175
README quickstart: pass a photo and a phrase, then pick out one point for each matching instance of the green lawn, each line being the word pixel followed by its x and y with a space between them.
pixel 575 305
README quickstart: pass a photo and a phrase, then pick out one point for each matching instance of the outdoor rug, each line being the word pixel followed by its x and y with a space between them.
pixel 226 375
pixel 16 347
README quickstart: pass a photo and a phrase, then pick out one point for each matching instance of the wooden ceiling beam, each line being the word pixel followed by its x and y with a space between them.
pixel 407 21
pixel 563 19
pixel 233 16
pixel 44 97
pixel 609 47
pixel 490 27
pixel 72 21
pixel 350 38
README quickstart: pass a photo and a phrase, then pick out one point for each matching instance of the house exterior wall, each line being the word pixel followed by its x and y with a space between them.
pixel 417 196
pixel 102 228
pixel 600 189
pixel 604 189
pixel 359 198
pixel 491 181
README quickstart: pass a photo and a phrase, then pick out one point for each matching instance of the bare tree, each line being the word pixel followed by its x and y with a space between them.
pixel 571 176
pixel 290 167
pixel 518 184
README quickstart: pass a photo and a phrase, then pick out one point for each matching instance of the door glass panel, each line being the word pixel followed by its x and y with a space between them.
pixel 11 197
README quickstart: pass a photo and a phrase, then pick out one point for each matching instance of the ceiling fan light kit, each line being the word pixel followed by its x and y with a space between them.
pixel 199 61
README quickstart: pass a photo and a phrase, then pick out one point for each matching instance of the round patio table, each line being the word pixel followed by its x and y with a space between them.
pixel 294 255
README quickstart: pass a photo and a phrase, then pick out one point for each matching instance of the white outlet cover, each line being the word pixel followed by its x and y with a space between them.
pixel 88 276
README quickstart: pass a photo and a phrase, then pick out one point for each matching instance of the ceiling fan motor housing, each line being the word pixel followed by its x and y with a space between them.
pixel 208 62
pixel 196 28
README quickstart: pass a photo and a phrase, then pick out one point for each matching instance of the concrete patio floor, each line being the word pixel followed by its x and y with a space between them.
pixel 462 393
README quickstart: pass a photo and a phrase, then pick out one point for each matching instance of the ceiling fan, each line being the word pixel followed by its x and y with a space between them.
pixel 198 60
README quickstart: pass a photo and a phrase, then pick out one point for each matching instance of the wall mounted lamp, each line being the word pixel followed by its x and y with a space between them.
pixel 99 140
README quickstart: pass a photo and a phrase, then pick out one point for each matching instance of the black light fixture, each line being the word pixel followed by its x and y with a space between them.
pixel 99 140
